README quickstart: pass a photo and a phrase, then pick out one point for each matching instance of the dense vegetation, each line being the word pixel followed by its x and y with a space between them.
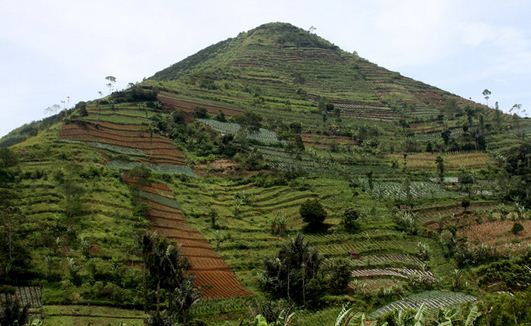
pixel 282 181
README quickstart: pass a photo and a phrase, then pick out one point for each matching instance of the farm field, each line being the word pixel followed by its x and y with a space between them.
pixel 94 315
pixel 452 161
pixel 498 234
pixel 431 299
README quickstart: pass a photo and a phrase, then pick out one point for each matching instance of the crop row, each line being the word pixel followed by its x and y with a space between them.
pixel 171 102
pixel 25 295
pixel 402 272
pixel 430 299
pixel 416 189
pixel 360 246
pixel 211 274
pixel 384 259
pixel 158 148
pixel 161 168
pixel 263 136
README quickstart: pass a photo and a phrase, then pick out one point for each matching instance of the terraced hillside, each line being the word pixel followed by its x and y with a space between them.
pixel 211 274
pixel 417 197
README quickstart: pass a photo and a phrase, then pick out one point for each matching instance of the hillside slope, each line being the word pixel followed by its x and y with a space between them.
pixel 219 152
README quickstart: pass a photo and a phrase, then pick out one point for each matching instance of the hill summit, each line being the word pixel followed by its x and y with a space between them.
pixel 280 60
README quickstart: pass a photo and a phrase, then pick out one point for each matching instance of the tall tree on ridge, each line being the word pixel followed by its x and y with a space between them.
pixel 486 94
pixel 111 82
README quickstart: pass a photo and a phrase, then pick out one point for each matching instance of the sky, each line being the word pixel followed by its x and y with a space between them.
pixel 57 49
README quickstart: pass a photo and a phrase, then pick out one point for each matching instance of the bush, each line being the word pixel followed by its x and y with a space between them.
pixel 465 203
pixel 517 228
pixel 141 173
pixel 7 158
pixel 200 113
pixel 405 221
pixel 313 213
pixel 279 225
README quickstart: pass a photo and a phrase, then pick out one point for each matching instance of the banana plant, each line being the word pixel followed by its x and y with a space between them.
pixel 284 319
pixel 420 316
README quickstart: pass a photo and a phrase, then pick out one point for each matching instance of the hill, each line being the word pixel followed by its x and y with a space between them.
pixel 219 152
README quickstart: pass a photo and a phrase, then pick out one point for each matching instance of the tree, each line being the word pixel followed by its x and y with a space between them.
pixel 82 108
pixel 72 191
pixel 486 94
pixel 8 158
pixel 52 109
pixel 293 273
pixel 313 213
pixel 440 168
pixel 200 113
pixel 466 180
pixel 111 82
pixel 165 268
pixel 446 136
pixel 14 256
pixel 250 121
pixel 295 127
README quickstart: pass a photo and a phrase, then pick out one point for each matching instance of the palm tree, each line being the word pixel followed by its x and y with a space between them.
pixel 13 313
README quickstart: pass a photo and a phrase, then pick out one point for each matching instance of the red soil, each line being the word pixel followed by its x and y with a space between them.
pixel 213 277
pixel 158 148
pixel 173 103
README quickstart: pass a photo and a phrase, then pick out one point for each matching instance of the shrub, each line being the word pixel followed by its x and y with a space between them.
pixel 141 173
pixel 350 219
pixel 465 203
pixel 7 158
pixel 517 228
pixel 200 113
pixel 313 213
pixel 423 251
pixel 279 225
pixel 405 221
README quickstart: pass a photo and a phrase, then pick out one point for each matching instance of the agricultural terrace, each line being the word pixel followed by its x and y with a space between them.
pixel 172 102
pixel 499 234
pixel 212 275
pixel 262 136
pixel 452 161
pixel 433 300
pixel 244 211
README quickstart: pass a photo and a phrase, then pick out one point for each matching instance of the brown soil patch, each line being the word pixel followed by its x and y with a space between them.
pixel 170 101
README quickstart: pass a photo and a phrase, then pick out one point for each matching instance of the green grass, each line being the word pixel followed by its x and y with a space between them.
pixel 91 315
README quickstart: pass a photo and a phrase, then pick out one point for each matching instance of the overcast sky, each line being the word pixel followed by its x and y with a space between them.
pixel 57 48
